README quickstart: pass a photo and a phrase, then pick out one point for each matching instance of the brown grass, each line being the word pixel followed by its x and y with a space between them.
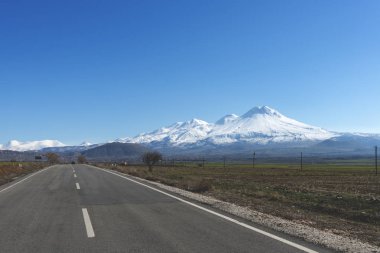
pixel 11 170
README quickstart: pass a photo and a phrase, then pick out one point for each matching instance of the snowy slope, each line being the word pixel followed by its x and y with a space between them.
pixel 260 125
pixel 81 147
pixel 30 145
pixel 178 133
pixel 263 125
pixel 46 146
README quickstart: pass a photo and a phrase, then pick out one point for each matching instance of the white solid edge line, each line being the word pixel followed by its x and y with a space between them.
pixel 87 223
pixel 35 173
pixel 78 187
pixel 295 245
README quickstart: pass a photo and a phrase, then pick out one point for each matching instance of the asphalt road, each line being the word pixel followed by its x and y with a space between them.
pixel 79 208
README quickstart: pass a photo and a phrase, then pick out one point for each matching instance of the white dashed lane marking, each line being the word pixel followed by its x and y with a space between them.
pixel 87 223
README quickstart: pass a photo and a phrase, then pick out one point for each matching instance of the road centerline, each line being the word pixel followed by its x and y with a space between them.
pixel 87 223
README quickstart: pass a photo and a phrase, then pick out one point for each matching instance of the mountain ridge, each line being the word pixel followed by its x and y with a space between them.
pixel 16 145
pixel 261 126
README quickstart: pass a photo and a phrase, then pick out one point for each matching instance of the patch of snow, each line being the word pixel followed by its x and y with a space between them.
pixel 122 140
pixel 85 144
pixel 227 119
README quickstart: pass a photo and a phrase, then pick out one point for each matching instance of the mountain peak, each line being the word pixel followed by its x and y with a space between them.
pixel 13 142
pixel 226 119
pixel 261 110
pixel 85 143
pixel 196 122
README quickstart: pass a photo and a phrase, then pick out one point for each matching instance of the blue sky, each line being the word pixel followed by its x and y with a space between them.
pixel 99 70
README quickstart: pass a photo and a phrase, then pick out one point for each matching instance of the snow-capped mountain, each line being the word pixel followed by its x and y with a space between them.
pixel 178 133
pixel 46 146
pixel 85 144
pixel 261 128
pixel 260 125
pixel 30 145
pixel 65 149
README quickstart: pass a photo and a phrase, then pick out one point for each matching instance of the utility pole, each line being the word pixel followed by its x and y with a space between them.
pixel 301 161
pixel 253 160
pixel 376 159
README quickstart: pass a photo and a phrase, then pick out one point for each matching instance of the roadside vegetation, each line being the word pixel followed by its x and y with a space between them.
pixel 9 171
pixel 341 199
pixel 81 159
pixel 52 158
pixel 151 159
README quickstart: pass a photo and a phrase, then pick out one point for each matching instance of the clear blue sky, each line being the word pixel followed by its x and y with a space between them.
pixel 99 70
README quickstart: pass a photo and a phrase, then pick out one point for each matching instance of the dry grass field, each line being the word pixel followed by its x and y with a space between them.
pixel 342 199
pixel 11 170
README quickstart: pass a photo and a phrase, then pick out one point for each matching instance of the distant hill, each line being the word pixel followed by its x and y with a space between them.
pixel 115 151
pixel 349 142
pixel 9 155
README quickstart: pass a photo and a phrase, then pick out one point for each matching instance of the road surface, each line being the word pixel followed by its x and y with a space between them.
pixel 79 208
